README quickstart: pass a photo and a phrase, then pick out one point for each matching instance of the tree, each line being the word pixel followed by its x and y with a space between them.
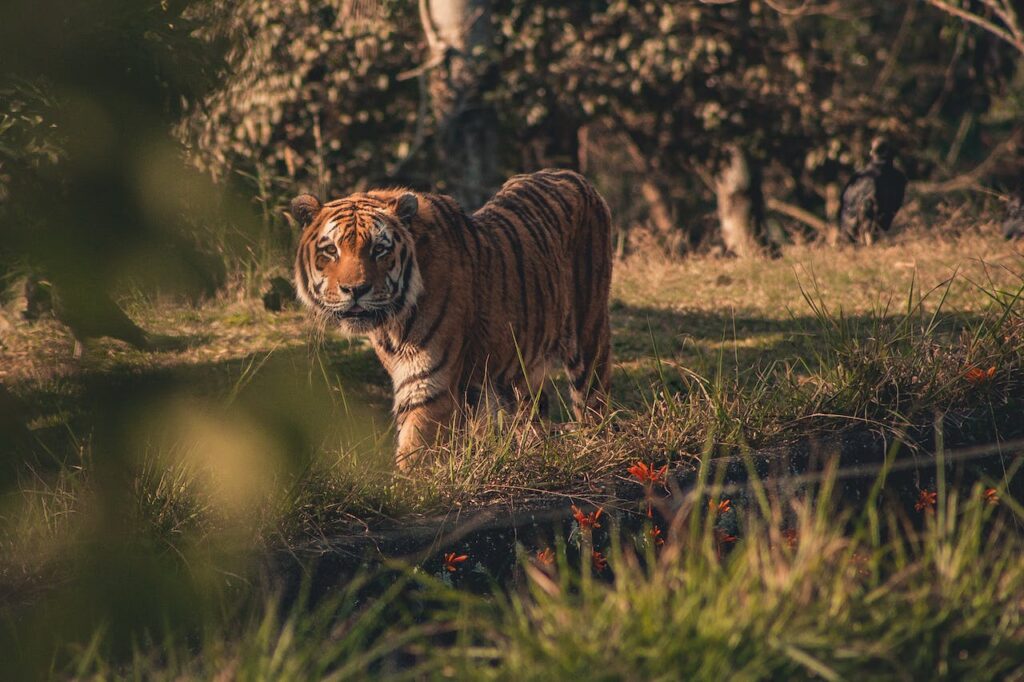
pixel 652 96
pixel 459 39
pixel 740 199
pixel 320 99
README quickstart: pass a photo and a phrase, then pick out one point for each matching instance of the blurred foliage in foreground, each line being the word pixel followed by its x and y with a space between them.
pixel 94 189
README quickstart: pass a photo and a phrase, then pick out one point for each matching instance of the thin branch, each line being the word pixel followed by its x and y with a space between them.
pixel 971 180
pixel 432 63
pixel 897 47
pixel 1001 33
pixel 1005 12
pixel 797 213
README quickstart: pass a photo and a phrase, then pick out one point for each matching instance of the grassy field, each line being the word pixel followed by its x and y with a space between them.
pixel 243 435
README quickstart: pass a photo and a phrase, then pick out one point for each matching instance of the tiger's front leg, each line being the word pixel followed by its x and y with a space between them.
pixel 420 425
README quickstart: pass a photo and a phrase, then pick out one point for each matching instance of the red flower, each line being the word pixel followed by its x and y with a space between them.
pixel 976 375
pixel 723 507
pixel 721 539
pixel 655 533
pixel 648 474
pixel 991 496
pixel 587 521
pixel 926 501
pixel 600 563
pixel 724 538
pixel 546 557
pixel 451 561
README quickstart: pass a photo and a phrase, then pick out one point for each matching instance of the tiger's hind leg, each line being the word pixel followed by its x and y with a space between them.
pixel 590 370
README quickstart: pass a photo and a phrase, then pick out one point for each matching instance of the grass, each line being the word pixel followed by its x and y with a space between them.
pixel 818 601
pixel 816 596
pixel 181 467
pixel 771 355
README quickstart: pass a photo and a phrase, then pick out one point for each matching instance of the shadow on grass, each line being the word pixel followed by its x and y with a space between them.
pixel 317 398
pixel 730 343
pixel 314 399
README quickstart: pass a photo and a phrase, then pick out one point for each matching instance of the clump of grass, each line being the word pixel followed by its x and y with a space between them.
pixel 895 372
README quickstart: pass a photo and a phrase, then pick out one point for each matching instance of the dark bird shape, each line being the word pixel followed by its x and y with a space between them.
pixel 873 196
pixel 90 313
pixel 1013 223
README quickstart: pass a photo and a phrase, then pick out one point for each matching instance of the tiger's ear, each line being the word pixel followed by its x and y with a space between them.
pixel 406 207
pixel 304 208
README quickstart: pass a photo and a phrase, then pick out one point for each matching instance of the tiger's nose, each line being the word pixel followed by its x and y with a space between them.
pixel 356 291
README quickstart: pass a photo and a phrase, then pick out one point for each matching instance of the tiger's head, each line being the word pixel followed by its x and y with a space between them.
pixel 356 266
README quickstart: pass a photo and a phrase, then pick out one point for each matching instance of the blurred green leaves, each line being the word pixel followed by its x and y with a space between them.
pixel 89 171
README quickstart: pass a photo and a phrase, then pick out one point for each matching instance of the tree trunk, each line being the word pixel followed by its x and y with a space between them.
pixel 459 35
pixel 659 210
pixel 740 204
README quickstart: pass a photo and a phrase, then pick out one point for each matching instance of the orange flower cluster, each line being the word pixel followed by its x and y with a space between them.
pixel 452 561
pixel 926 501
pixel 546 557
pixel 648 475
pixel 991 496
pixel 976 375
pixel 723 507
pixel 587 521
pixel 600 563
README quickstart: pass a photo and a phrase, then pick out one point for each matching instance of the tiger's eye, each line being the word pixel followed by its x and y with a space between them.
pixel 331 250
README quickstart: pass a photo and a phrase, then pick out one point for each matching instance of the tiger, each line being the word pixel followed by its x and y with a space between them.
pixel 465 309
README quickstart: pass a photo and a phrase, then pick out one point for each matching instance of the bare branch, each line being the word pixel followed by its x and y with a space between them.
pixel 971 180
pixel 802 8
pixel 1010 34
pixel 797 213
pixel 1005 12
